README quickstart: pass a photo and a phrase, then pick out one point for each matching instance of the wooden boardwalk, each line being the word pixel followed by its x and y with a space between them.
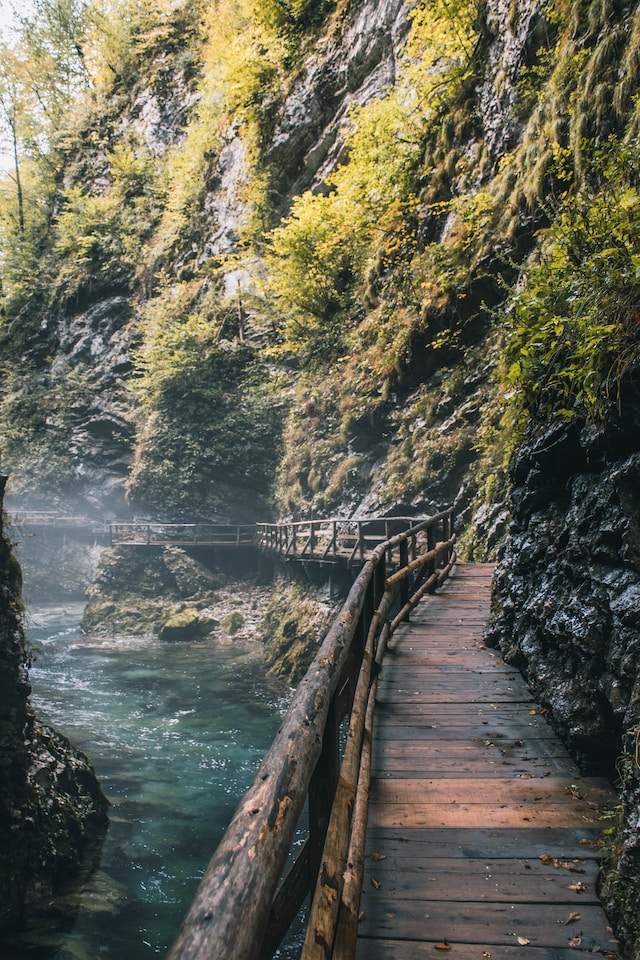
pixel 482 835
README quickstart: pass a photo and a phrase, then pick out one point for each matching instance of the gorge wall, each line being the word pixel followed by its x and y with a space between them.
pixel 52 812
pixel 367 257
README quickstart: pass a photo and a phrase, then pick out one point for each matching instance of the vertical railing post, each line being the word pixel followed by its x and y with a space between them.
pixel 360 540
pixel 404 584
pixel 431 543
pixel 322 788
pixel 379 579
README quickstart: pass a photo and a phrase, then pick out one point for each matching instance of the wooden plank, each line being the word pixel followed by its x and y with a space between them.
pixel 400 729
pixel 586 797
pixel 528 842
pixel 436 881
pixel 485 923
pixel 473 815
pixel 386 949
pixel 477 870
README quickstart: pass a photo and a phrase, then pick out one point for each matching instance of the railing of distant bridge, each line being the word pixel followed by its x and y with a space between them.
pixel 330 540
pixel 138 533
pixel 244 906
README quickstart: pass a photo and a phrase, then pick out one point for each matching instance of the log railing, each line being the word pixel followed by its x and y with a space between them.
pixel 243 906
pixel 330 540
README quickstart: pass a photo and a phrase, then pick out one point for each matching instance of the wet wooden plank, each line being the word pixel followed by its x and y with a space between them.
pixel 472 815
pixel 485 924
pixel 386 949
pixel 523 843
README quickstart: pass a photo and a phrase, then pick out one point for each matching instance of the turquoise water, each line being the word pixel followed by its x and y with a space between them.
pixel 175 733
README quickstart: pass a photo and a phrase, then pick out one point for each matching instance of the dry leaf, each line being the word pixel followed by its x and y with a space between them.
pixel 578 887
pixel 361 916
pixel 375 883
pixel 572 917
pixel 377 856
pixel 575 942
pixel 445 945
pixel 533 713
pixel 523 941
pixel 389 916
pixel 546 859
pixel 485 953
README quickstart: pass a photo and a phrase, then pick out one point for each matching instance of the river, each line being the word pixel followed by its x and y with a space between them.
pixel 175 733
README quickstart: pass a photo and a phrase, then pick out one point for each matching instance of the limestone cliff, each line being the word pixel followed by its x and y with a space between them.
pixel 357 257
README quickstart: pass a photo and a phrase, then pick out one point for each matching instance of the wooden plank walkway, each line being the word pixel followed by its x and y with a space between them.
pixel 482 835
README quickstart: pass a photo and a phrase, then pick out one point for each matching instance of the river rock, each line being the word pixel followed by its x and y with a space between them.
pixel 183 625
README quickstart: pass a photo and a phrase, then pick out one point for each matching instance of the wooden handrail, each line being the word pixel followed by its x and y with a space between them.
pixel 331 539
pixel 238 912
pixel 158 533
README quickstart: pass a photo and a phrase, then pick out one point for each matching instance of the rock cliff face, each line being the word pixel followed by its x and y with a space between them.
pixel 51 808
pixel 567 603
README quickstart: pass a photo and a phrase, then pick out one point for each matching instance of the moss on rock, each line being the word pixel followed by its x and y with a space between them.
pixel 293 628
pixel 183 625
pixel 232 622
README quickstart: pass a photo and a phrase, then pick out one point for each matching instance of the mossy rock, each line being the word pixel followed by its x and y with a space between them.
pixel 294 624
pixel 191 576
pixel 232 622
pixel 183 625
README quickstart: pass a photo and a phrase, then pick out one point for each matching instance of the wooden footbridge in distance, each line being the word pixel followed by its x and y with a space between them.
pixel 415 799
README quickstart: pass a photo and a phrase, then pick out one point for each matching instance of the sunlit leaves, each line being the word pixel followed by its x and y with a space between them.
pixel 573 332
pixel 329 242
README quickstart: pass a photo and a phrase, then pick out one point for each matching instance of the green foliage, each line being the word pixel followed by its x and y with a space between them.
pixel 574 331
pixel 39 413
pixel 320 254
pixel 207 419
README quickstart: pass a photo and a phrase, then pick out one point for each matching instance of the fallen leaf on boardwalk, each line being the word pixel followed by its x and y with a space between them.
pixel 485 953
pixel 578 887
pixel 362 916
pixel 375 883
pixel 575 942
pixel 573 791
pixel 572 917
pixel 533 713
pixel 389 916
pixel 445 945
pixel 377 856
pixel 546 859
pixel 571 867
pixel 523 941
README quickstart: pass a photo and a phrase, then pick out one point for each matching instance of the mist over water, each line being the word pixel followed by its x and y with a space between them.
pixel 175 733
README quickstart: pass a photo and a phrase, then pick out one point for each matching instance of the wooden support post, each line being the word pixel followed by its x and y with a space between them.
pixel 404 585
pixel 322 790
pixel 379 580
pixel 431 545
